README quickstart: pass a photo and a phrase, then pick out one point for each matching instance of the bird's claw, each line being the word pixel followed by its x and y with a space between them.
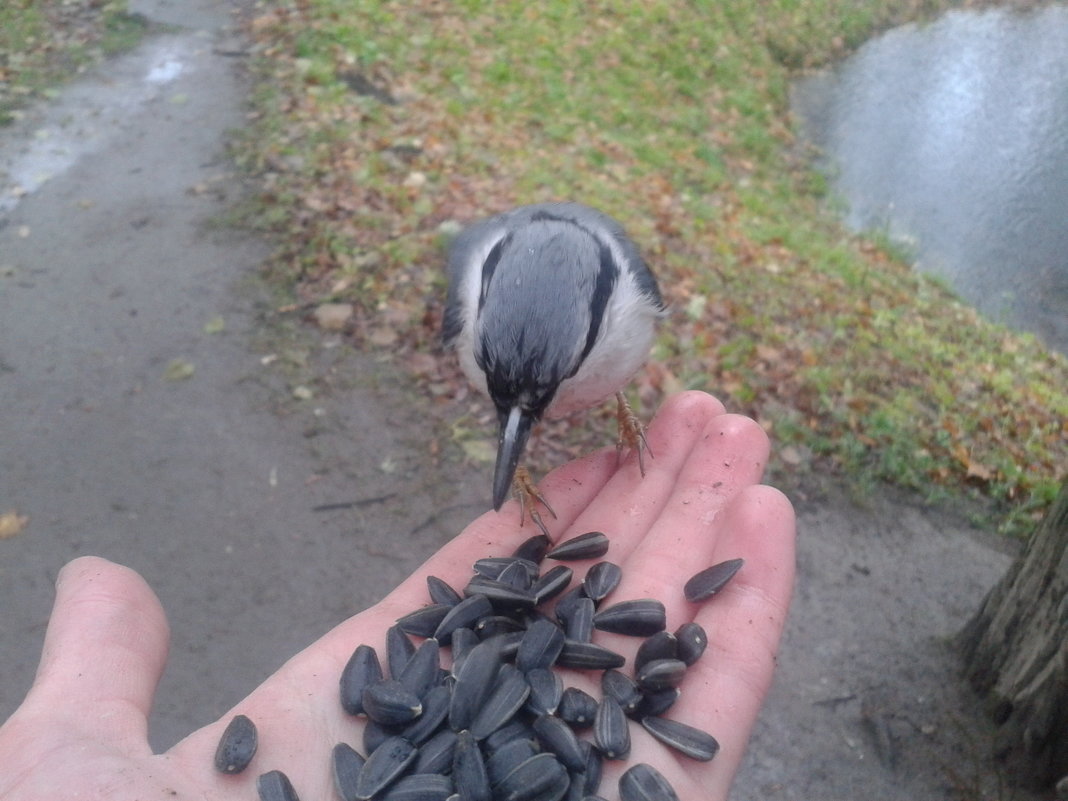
pixel 631 432
pixel 529 496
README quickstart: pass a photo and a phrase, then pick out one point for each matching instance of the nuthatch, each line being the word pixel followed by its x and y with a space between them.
pixel 551 309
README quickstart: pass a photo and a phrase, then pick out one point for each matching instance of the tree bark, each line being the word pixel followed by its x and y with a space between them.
pixel 1016 654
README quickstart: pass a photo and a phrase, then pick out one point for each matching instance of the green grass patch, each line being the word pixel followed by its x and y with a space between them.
pixel 380 123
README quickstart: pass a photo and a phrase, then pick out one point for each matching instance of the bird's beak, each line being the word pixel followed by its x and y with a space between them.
pixel 515 429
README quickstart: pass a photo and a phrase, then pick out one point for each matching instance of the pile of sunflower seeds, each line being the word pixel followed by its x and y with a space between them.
pixel 499 725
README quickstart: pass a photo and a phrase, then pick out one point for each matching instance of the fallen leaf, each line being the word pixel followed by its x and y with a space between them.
pixel 215 325
pixel 479 450
pixel 12 523
pixel 178 370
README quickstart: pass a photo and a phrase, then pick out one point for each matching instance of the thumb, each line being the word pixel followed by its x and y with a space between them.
pixel 104 653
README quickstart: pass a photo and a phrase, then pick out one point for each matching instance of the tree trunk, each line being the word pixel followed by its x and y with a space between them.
pixel 1016 653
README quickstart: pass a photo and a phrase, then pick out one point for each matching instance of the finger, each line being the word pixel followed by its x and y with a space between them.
pixel 103 655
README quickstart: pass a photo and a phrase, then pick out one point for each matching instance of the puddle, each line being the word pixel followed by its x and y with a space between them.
pixel 952 138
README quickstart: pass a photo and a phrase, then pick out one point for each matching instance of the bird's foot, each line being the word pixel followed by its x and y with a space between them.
pixel 529 497
pixel 631 432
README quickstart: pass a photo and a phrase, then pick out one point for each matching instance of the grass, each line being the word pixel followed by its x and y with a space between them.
pixel 672 117
pixel 44 42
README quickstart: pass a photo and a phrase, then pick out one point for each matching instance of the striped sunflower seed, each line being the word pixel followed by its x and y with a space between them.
pixel 579 625
pixel 509 694
pixel 347 764
pixel 275 786
pixel 465 614
pixel 645 783
pixel 237 746
pixel 435 755
pixel 656 703
pixel 424 787
pixel 361 671
pixel 660 674
pixel 540 777
pixel 546 689
pixel 551 583
pixel 391 703
pixel 540 646
pixel 399 649
pixel 508 757
pixel 622 688
pixel 588 656
pixel 662 645
pixel 469 769
pixel 692 742
pixel 558 738
pixel 591 545
pixel 423 669
pixel 503 596
pixel 577 708
pixel 384 766
pixel 611 732
pixel 533 549
pixel 441 592
pixel 424 620
pixel 474 682
pixel 692 641
pixel 601 579
pixel 435 711
pixel 711 580
pixel 642 617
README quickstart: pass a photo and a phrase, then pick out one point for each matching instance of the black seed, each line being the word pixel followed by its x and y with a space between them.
pixel 492 566
pixel 656 703
pixel 347 765
pixel 374 734
pixel 423 621
pixel 509 694
pixel 639 618
pixel 463 640
pixel 692 642
pixel 711 580
pixel 577 708
pixel 441 592
pixel 435 755
pixel 540 646
pixel 585 546
pixel 540 777
pixel 601 579
pixel 533 549
pixel 474 682
pixel 622 688
pixel 579 626
pixel 611 732
pixel 465 614
pixel 516 729
pixel 515 575
pixel 492 625
pixel 644 783
pixel 593 767
pixel 237 746
pixel 660 674
pixel 361 671
pixel 391 703
pixel 469 771
pixel 509 757
pixel 692 742
pixel 275 786
pixel 504 596
pixel 546 689
pixel 557 737
pixel 551 584
pixel 399 649
pixel 661 645
pixel 588 656
pixel 418 787
pixel 566 605
pixel 435 711
pixel 423 670
pixel 384 766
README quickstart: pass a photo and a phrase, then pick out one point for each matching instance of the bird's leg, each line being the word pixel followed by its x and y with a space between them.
pixel 529 497
pixel 631 432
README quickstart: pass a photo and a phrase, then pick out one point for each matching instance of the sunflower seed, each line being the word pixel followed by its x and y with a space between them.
pixel 391 703
pixel 509 757
pixel 711 580
pixel 579 626
pixel 435 755
pixel 661 645
pixel 540 777
pixel 362 670
pixel 546 688
pixel 601 579
pixel 423 621
pixel 237 746
pixel 656 703
pixel 553 582
pixel 508 696
pixel 474 682
pixel 463 640
pixel 622 688
pixel 591 772
pixel 515 729
pixel 435 711
pixel 692 742
pixel 374 734
pixel 492 625
pixel 492 566
pixel 540 646
pixel 588 656
pixel 611 733
pixel 557 737
pixel 384 766
pixel 585 546
pixel 418 787
pixel 533 549
pixel 515 575
pixel 399 649
pixel 639 618
pixel 692 642
pixel 423 669
pixel 347 765
pixel 660 674
pixel 469 770
pixel 504 596
pixel 565 606
pixel 442 592
pixel 577 708
pixel 275 786
pixel 465 614
pixel 645 783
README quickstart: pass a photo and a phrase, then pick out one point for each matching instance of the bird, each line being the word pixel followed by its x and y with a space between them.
pixel 551 310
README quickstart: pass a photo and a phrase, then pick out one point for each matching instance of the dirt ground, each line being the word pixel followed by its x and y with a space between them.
pixel 268 481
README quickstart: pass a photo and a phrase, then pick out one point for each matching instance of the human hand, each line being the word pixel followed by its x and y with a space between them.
pixel 83 726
